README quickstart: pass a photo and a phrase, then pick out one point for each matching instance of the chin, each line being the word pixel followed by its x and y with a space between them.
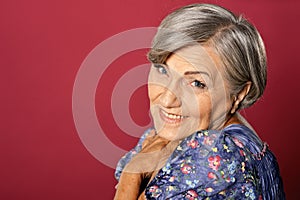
pixel 168 134
pixel 177 133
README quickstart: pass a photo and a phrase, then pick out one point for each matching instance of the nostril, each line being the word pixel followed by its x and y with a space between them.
pixel 168 99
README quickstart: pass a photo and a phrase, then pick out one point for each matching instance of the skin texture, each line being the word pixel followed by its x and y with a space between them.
pixel 187 93
pixel 144 166
pixel 189 85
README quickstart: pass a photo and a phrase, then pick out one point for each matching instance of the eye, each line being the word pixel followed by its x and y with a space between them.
pixel 160 68
pixel 198 84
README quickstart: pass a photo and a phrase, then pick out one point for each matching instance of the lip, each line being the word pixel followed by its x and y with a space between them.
pixel 171 118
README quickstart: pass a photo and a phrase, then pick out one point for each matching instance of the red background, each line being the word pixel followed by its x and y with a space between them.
pixel 43 44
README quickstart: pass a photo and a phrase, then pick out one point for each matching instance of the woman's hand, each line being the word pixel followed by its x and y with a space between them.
pixel 143 167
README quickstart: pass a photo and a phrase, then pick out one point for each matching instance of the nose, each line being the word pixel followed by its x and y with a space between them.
pixel 169 99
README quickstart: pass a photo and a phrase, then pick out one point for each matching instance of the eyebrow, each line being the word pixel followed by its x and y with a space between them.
pixel 187 73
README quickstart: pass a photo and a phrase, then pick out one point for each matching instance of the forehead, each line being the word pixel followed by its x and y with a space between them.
pixel 195 58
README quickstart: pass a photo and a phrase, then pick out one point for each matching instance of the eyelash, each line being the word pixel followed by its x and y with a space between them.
pixel 161 69
pixel 199 84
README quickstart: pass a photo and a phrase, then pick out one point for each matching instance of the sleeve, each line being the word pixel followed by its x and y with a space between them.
pixel 129 155
pixel 236 177
pixel 206 166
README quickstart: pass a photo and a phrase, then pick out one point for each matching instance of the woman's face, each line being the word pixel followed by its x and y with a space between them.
pixel 188 93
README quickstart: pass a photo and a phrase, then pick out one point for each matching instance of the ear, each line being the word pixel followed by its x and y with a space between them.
pixel 240 97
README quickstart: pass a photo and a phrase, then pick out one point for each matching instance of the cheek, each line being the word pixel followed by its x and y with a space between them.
pixel 200 111
pixel 157 84
pixel 205 107
pixel 153 92
pixel 221 101
pixel 199 105
pixel 221 105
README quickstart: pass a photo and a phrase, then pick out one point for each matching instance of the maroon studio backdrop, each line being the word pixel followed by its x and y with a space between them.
pixel 44 43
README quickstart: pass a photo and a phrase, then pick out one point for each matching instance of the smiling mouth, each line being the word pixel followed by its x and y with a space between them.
pixel 171 118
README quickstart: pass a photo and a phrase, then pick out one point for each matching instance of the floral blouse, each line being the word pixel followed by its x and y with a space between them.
pixel 229 164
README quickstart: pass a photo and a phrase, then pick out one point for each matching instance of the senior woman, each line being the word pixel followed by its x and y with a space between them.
pixel 207 64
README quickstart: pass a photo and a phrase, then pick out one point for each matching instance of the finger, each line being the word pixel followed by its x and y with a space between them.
pixel 128 186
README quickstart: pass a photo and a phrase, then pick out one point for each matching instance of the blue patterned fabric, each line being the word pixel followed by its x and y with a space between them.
pixel 229 164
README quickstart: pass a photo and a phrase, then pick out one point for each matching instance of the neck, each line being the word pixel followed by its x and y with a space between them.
pixel 232 119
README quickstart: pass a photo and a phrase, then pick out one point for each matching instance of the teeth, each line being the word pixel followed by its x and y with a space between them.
pixel 171 116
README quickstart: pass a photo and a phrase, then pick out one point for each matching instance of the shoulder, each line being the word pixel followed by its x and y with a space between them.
pixel 262 159
pixel 234 142
pixel 207 163
pixel 129 155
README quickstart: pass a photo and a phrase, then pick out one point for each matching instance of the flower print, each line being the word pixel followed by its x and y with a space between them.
pixel 170 188
pixel 230 179
pixel 172 179
pixel 203 152
pixel 238 143
pixel 226 148
pixel 209 189
pixel 155 191
pixel 134 152
pixel 222 193
pixel 231 167
pixel 192 143
pixel 179 148
pixel 250 193
pixel 200 134
pixel 191 195
pixel 214 149
pixel 211 175
pixel 191 183
pixel 167 168
pixel 243 166
pixel 153 188
pixel 242 153
pixel 186 169
pixel 214 162
pixel 222 174
pixel 209 140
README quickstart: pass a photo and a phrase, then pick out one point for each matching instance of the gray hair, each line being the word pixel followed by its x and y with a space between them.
pixel 234 39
